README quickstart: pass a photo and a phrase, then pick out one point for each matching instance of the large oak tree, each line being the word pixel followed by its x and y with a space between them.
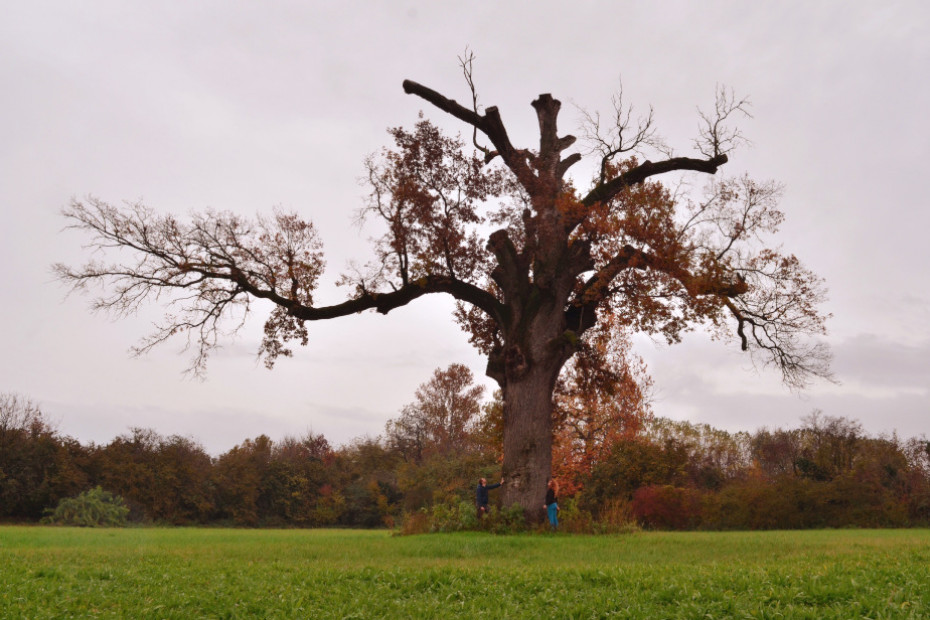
pixel 533 262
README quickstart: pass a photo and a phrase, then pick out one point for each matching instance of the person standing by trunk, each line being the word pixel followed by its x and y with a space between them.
pixel 481 495
pixel 552 503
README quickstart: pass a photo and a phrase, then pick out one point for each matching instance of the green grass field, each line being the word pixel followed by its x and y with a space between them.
pixel 221 573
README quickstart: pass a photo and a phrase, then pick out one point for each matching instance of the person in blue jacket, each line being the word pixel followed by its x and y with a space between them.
pixel 481 495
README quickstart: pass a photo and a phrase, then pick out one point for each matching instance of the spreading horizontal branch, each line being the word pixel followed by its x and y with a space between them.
pixel 385 302
pixel 607 190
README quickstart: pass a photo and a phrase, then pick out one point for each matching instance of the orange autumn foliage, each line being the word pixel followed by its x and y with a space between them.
pixel 603 397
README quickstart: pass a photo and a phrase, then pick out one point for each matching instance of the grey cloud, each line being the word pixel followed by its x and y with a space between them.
pixel 873 360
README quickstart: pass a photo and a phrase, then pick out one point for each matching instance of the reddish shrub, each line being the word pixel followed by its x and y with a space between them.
pixel 667 507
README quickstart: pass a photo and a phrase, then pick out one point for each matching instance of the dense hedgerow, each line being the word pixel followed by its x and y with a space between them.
pixel 462 516
pixel 669 475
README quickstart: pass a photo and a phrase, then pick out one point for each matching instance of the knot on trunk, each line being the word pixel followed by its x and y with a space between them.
pixel 515 362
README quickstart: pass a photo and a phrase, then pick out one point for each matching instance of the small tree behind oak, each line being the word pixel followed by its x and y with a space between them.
pixel 558 261
pixel 442 418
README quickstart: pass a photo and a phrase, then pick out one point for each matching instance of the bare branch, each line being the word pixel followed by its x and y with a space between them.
pixel 621 135
pixel 716 137
pixel 778 315
pixel 603 192
pixel 467 63
pixel 446 105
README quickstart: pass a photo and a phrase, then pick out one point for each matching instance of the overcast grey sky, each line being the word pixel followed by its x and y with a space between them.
pixel 247 106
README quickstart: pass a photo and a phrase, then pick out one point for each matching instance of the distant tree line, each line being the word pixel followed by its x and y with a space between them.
pixel 650 471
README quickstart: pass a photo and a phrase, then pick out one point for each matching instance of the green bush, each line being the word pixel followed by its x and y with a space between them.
pixel 573 519
pixel 452 517
pixel 93 508
pixel 461 516
pixel 508 520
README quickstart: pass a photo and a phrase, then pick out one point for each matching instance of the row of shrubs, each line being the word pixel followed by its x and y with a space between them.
pixel 99 508
pixel 782 504
pixel 461 516
pixel 788 503
pixel 671 475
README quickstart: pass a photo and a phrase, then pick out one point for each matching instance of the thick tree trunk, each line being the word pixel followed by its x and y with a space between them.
pixel 528 440
pixel 538 347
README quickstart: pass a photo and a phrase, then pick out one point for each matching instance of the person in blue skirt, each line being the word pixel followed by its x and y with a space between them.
pixel 552 503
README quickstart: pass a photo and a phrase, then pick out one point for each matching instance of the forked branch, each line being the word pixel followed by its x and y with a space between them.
pixel 620 135
pixel 716 136
pixel 467 64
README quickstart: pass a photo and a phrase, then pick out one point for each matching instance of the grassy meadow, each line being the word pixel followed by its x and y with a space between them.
pixel 225 573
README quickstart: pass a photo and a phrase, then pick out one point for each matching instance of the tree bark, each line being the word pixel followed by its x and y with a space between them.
pixel 528 441
pixel 534 354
